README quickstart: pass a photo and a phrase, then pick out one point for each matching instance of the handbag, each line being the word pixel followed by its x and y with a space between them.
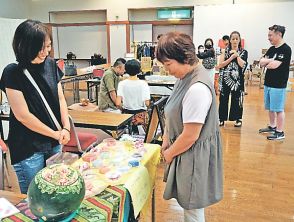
pixel 70 69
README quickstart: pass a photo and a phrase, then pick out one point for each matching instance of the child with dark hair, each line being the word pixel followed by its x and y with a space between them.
pixel 133 94
pixel 133 67
pixel 226 40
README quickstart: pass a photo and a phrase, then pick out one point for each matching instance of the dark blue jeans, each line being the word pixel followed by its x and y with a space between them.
pixel 28 168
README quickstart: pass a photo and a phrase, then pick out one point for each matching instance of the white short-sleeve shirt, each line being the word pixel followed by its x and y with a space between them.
pixel 134 93
pixel 196 103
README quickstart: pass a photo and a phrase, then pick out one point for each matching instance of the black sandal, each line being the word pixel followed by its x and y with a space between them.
pixel 238 123
pixel 221 123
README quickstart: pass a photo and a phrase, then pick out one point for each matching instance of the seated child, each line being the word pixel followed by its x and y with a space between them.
pixel 133 94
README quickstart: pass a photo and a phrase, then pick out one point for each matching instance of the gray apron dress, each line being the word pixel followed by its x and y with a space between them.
pixel 195 177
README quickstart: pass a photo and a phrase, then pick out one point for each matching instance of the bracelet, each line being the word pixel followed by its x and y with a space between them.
pixel 67 130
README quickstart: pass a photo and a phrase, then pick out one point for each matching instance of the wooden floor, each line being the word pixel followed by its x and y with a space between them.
pixel 258 174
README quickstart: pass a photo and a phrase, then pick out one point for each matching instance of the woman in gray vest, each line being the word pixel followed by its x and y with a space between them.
pixel 192 142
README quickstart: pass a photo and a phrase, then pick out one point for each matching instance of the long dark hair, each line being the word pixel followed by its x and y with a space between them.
pixel 239 45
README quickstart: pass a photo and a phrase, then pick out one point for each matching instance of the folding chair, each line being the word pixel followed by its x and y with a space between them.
pixel 98 73
pixel 79 142
pixel 3 165
pixel 60 64
pixel 156 119
pixel 94 84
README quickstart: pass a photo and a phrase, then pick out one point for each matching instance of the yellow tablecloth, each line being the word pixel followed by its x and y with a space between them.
pixel 138 180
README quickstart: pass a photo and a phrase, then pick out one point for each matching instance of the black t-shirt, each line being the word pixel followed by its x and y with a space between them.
pixel 22 141
pixel 207 53
pixel 278 78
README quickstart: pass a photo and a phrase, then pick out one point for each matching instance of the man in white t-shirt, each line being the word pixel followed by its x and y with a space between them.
pixel 133 94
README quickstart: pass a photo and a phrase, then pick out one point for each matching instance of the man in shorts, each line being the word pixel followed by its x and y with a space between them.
pixel 276 61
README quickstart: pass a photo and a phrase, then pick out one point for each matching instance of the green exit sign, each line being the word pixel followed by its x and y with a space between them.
pixel 174 13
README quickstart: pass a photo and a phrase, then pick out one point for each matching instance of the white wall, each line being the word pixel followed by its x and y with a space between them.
pixel 141 32
pixel 251 20
pixel 163 29
pixel 40 8
pixel 7 29
pixel 15 8
pixel 210 18
pixel 84 41
pixel 78 16
pixel 117 42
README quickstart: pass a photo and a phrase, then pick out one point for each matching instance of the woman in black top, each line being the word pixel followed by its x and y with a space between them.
pixel 208 57
pixel 33 136
pixel 232 66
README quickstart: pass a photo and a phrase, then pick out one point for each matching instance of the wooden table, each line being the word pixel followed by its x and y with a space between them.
pixel 167 84
pixel 13 197
pixel 78 107
pixel 101 120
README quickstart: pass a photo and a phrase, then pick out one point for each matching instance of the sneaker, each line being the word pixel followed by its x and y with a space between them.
pixel 268 129
pixel 238 123
pixel 276 136
pixel 221 123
